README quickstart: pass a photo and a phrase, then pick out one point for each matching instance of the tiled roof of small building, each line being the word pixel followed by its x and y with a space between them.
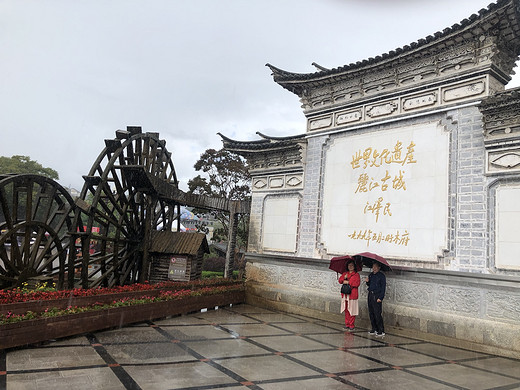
pixel 502 16
pixel 178 242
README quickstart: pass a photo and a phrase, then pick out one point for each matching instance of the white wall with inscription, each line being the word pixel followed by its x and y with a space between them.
pixel 280 223
pixel 387 192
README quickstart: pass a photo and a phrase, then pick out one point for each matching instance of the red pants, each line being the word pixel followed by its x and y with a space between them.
pixel 349 320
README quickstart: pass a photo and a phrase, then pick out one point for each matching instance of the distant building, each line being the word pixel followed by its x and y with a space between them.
pixel 73 192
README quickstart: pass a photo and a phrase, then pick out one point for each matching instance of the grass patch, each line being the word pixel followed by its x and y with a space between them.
pixel 216 274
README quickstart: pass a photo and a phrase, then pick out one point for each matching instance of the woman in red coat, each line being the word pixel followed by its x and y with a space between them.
pixel 349 303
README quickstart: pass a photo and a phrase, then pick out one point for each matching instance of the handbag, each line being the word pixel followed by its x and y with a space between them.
pixel 346 289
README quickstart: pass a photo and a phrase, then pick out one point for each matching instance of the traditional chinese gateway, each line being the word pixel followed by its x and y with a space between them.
pixel 413 155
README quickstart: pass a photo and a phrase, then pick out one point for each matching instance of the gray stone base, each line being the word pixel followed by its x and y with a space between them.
pixel 478 311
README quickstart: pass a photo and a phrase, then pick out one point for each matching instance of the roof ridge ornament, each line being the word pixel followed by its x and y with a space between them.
pixel 286 138
pixel 319 67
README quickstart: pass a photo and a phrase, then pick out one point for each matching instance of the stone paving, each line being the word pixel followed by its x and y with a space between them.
pixel 246 347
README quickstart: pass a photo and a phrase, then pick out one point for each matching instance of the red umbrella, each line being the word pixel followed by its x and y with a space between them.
pixel 368 259
pixel 339 264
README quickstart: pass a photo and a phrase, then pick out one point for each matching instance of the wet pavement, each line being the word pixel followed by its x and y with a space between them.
pixel 245 347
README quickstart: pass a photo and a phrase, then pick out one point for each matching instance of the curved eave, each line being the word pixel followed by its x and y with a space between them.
pixel 487 19
pixel 267 144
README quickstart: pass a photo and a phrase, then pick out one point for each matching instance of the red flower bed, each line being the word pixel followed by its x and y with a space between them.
pixel 21 301
pixel 18 295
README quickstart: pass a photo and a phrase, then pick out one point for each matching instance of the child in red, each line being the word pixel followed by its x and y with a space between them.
pixel 349 303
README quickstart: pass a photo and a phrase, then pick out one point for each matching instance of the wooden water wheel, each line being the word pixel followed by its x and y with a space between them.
pixel 36 217
pixel 118 214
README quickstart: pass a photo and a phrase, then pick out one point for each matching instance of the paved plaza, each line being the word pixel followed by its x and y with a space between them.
pixel 246 347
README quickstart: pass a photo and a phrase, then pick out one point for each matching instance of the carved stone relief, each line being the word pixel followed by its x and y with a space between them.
pixel 426 100
pixel 382 109
pixel 278 160
pixel 320 123
pixel 278 182
pixel 464 91
pixel 503 305
pixel 294 180
pixel 417 71
pixel 456 59
pixel 502 132
pixel 414 294
pixel 334 286
pixel 419 101
pixel 504 160
pixel 290 276
pixel 262 273
pixel 349 117
pixel 314 280
pixel 378 81
pixel 259 183
pixel 459 300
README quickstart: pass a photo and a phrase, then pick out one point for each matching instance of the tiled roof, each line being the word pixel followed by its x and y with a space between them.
pixel 266 143
pixel 179 243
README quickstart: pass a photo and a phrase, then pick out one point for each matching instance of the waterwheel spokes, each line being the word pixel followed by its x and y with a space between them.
pixel 121 212
pixel 36 217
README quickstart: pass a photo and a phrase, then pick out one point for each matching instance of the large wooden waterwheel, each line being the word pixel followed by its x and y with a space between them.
pixel 36 217
pixel 118 213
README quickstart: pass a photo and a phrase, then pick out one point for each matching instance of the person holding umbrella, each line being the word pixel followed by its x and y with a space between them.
pixel 376 283
pixel 349 302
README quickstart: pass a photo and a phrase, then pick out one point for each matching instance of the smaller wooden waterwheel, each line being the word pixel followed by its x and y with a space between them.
pixel 36 218
pixel 119 213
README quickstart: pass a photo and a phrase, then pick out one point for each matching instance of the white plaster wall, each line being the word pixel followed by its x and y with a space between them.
pixel 508 227
pixel 280 224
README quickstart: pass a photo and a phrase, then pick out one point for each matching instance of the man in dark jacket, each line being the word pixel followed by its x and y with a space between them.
pixel 376 283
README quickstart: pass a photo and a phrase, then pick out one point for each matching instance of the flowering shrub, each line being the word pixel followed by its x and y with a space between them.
pixel 48 293
pixel 163 296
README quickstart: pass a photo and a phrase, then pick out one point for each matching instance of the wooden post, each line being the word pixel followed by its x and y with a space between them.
pixel 232 236
pixel 145 270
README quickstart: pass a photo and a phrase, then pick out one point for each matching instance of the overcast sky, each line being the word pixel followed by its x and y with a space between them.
pixel 72 72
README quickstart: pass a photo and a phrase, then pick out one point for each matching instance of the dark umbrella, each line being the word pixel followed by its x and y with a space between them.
pixel 339 264
pixel 367 259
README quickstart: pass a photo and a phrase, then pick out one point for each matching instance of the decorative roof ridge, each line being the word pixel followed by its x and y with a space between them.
pixel 229 140
pixel 286 138
pixel 265 139
pixel 283 75
pixel 508 96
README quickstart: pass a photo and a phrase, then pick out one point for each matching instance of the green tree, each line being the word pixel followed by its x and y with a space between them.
pixel 225 175
pixel 24 165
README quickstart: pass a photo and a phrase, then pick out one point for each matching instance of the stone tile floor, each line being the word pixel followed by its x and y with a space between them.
pixel 246 347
